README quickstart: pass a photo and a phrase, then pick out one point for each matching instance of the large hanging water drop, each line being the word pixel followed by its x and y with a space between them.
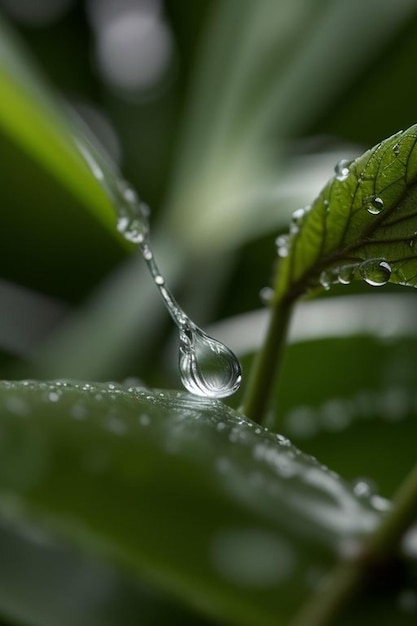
pixel 207 366
pixel 375 272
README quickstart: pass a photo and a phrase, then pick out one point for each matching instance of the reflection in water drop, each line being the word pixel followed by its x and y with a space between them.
pixel 342 169
pixel 207 367
pixel 374 205
pixel 375 272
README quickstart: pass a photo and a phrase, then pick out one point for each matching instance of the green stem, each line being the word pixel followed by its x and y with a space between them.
pixel 267 362
pixel 348 577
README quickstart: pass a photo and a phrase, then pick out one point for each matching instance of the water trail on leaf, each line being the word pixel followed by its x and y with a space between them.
pixel 207 366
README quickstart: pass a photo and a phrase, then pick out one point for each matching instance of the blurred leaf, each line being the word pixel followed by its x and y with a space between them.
pixel 29 114
pixel 182 491
pixel 45 583
pixel 363 224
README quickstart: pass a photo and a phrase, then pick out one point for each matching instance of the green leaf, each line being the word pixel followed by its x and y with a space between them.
pixel 31 116
pixel 180 491
pixel 363 224
pixel 41 577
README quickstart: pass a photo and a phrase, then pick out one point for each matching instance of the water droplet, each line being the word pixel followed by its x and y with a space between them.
pixel 375 272
pixel 374 205
pixel 282 244
pixel 345 274
pixel 363 488
pixel 207 367
pixel 412 243
pixel 131 219
pixel 396 149
pixel 342 169
pixel 325 279
pixel 297 218
pixel 53 396
pixel 266 294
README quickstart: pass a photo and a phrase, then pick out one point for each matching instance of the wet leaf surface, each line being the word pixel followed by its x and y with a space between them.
pixel 362 225
pixel 182 492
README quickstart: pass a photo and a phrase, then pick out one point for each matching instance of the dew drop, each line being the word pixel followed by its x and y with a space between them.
pixel 266 294
pixel 374 205
pixel 132 221
pixel 342 169
pixel 207 366
pixel 412 243
pixel 325 280
pixel 363 488
pixel 159 280
pixel 346 274
pixel 282 244
pixel 396 149
pixel 375 272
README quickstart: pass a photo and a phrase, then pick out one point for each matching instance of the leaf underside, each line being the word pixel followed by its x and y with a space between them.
pixel 365 215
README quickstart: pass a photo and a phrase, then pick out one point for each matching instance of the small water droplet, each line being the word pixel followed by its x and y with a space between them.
pixel 342 169
pixel 297 216
pixel 160 280
pixel 374 205
pixel 396 149
pixel 53 396
pixel 131 219
pixel 412 243
pixel 266 294
pixel 282 244
pixel 345 274
pixel 207 367
pixel 363 488
pixel 147 253
pixel 325 279
pixel 375 272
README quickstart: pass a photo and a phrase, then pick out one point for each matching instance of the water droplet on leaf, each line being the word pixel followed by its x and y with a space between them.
pixel 374 205
pixel 346 274
pixel 375 272
pixel 282 244
pixel 325 279
pixel 342 169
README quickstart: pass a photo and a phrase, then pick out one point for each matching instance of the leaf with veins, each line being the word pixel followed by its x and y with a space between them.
pixel 363 224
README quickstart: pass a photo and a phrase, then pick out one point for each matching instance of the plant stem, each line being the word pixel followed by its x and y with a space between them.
pixel 347 577
pixel 267 362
